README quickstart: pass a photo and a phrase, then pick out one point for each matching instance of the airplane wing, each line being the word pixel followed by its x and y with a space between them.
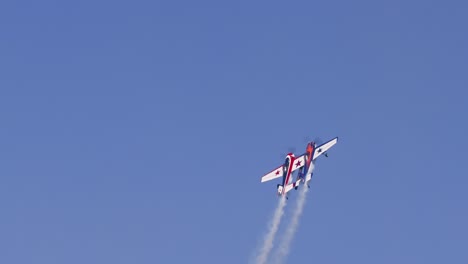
pixel 276 173
pixel 324 147
pixel 299 162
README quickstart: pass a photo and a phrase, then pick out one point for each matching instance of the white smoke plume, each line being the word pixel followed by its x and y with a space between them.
pixel 268 240
pixel 283 249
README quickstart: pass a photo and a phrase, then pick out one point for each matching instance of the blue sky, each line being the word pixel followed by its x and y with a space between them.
pixel 137 132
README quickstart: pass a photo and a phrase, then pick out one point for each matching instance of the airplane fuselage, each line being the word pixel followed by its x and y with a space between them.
pixel 287 169
pixel 306 173
pixel 309 157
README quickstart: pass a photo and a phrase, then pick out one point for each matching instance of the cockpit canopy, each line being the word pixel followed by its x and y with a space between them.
pixel 286 164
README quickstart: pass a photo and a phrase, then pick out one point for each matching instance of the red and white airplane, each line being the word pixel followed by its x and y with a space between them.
pixel 292 163
pixel 286 170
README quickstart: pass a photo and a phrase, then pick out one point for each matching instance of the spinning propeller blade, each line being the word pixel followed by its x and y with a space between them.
pixel 318 141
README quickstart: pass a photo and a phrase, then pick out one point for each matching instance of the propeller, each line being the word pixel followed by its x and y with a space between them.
pixel 290 150
pixel 318 141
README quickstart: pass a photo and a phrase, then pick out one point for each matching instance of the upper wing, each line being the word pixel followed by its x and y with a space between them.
pixel 276 173
pixel 324 147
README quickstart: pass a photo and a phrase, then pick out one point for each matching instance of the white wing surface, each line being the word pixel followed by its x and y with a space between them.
pixel 324 147
pixel 276 173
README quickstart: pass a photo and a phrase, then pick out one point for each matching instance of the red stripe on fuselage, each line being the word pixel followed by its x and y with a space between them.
pixel 286 181
pixel 310 155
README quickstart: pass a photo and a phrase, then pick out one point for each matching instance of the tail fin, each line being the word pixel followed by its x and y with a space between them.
pixel 279 189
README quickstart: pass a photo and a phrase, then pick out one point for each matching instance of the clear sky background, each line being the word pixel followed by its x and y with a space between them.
pixel 137 131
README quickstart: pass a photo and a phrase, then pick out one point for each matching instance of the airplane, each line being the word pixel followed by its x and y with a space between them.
pixel 291 164
pixel 312 152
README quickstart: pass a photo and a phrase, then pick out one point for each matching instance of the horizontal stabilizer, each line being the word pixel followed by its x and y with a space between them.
pixel 291 186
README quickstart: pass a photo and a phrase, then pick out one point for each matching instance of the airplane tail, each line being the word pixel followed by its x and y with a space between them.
pixel 279 188
pixel 291 186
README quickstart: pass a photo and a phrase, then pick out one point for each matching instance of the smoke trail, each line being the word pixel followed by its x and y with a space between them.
pixel 283 249
pixel 270 235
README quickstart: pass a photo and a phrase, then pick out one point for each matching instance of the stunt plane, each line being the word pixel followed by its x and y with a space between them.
pixel 313 152
pixel 292 163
